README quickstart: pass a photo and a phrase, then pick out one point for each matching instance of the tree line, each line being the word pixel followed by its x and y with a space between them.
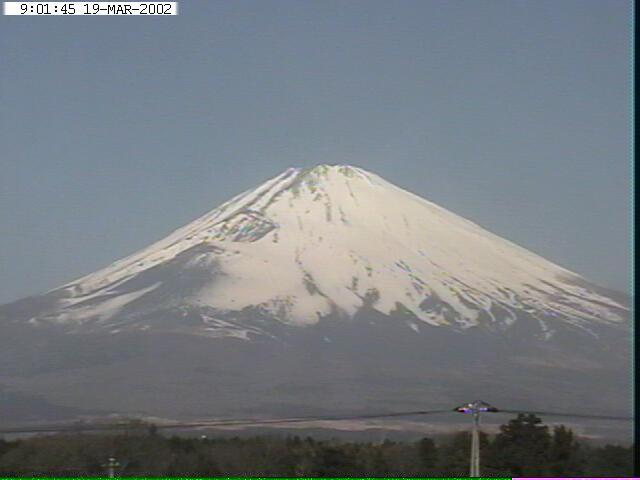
pixel 524 447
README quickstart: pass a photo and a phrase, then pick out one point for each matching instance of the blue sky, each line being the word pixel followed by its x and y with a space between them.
pixel 115 131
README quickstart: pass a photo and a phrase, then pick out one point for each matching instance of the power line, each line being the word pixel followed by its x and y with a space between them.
pixel 273 421
pixel 566 414
pixel 209 423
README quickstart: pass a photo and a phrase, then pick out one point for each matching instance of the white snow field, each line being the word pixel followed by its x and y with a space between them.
pixel 331 240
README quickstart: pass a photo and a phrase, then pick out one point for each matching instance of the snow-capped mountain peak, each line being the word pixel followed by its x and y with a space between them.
pixel 332 240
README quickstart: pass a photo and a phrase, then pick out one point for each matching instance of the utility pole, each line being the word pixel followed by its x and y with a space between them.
pixel 475 408
pixel 475 447
pixel 111 465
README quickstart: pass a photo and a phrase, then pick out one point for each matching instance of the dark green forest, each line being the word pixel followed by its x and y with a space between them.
pixel 524 447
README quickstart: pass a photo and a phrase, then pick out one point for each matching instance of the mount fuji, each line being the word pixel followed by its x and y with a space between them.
pixel 320 290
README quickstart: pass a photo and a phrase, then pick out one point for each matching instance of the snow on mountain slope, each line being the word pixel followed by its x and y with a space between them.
pixel 332 240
